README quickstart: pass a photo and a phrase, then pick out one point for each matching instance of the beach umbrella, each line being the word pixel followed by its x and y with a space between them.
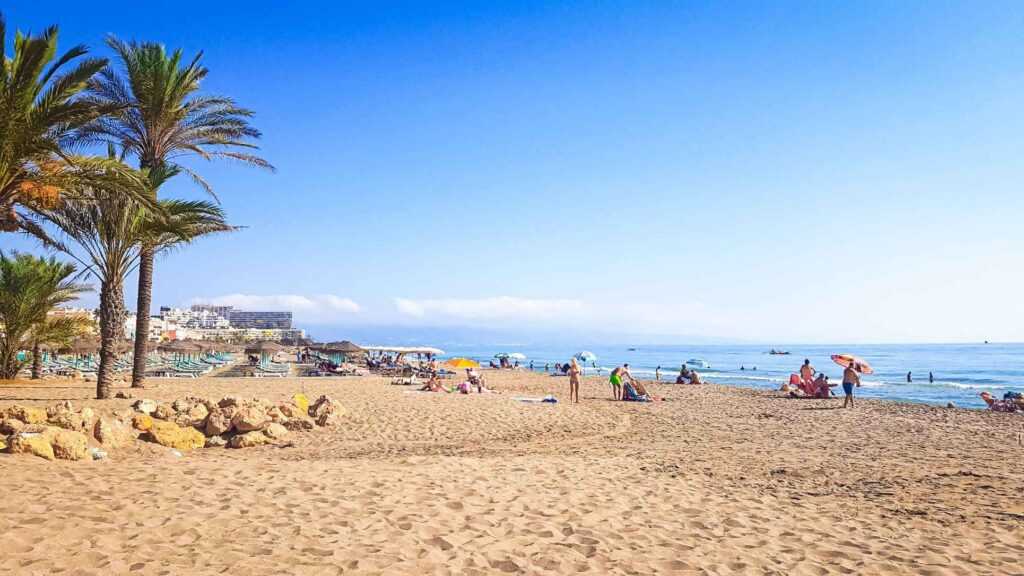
pixel 501 355
pixel 263 347
pixel 517 356
pixel 461 363
pixel 847 360
pixel 345 347
pixel 586 356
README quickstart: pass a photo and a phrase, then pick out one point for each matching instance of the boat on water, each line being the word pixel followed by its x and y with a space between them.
pixel 630 349
pixel 697 363
pixel 775 352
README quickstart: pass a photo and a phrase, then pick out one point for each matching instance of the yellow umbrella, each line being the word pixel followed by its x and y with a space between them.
pixel 461 363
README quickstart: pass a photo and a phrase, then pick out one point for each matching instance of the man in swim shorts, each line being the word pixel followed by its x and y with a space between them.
pixel 850 379
pixel 615 380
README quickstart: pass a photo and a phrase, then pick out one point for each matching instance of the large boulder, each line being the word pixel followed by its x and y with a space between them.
pixel 197 415
pixel 10 426
pixel 67 444
pixel 250 418
pixel 229 401
pixel 33 443
pixel 59 407
pixel 171 435
pixel 275 431
pixel 145 406
pixel 27 414
pixel 143 422
pixel 217 423
pixel 249 439
pixel 77 421
pixel 112 433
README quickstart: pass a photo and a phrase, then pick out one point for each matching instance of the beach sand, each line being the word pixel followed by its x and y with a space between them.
pixel 714 480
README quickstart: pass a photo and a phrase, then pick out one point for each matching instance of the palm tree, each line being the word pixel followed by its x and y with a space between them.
pixel 56 333
pixel 39 110
pixel 108 229
pixel 29 288
pixel 160 118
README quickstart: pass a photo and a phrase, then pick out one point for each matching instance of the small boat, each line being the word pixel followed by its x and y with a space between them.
pixel 698 363
pixel 775 352
pixel 631 349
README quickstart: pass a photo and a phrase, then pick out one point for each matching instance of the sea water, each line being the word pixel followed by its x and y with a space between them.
pixel 960 371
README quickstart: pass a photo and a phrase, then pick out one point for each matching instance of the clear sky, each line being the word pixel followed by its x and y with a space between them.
pixel 799 172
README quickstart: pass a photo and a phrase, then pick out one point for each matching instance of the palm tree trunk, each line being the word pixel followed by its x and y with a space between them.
pixel 9 360
pixel 37 362
pixel 142 316
pixel 111 330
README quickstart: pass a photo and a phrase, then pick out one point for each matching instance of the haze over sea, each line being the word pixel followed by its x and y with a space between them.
pixel 961 371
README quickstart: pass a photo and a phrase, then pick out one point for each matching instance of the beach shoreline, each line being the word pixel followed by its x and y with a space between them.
pixel 714 479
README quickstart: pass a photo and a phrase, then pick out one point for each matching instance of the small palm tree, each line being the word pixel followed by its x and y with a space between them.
pixel 39 111
pixel 55 333
pixel 161 117
pixel 29 288
pixel 107 229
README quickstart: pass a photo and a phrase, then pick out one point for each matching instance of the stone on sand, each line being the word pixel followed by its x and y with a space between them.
pixel 164 412
pixel 171 435
pixel 143 422
pixel 145 406
pixel 217 423
pixel 276 431
pixel 112 433
pixel 67 444
pixel 250 418
pixel 27 414
pixel 249 439
pixel 31 443
pixel 11 426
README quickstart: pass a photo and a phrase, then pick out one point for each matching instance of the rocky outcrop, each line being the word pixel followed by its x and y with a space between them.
pixel 67 444
pixel 250 418
pixel 112 433
pixel 27 414
pixel 31 443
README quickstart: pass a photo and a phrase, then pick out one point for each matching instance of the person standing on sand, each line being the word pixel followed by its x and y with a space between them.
pixel 574 381
pixel 615 380
pixel 850 379
pixel 807 372
pixel 657 374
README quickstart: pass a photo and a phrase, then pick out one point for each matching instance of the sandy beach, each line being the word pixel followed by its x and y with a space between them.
pixel 713 480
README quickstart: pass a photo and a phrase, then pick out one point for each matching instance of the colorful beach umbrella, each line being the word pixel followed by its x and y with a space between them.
pixel 858 364
pixel 461 363
pixel 586 356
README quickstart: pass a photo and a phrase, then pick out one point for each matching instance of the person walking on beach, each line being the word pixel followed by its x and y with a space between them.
pixel 574 381
pixel 615 380
pixel 850 379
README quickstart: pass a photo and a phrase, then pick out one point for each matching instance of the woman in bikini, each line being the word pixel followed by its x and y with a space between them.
pixel 574 381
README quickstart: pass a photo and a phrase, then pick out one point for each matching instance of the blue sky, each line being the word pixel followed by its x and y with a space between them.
pixel 812 172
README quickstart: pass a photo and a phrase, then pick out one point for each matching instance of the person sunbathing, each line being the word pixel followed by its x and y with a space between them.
pixel 999 405
pixel 631 392
pixel 433 385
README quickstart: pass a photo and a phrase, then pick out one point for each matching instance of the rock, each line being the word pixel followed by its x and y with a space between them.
pixel 31 443
pixel 299 423
pixel 216 442
pixel 248 440
pixel 124 395
pixel 197 415
pixel 182 405
pixel 276 415
pixel 217 423
pixel 27 414
pixel 113 433
pixel 249 418
pixel 59 408
pixel 301 402
pixel 229 401
pixel 97 454
pixel 950 405
pixel 145 406
pixel 67 444
pixel 125 415
pixel 70 421
pixel 164 412
pixel 143 422
pixel 3 444
pixel 275 431
pixel 291 410
pixel 325 411
pixel 10 426
pixel 173 436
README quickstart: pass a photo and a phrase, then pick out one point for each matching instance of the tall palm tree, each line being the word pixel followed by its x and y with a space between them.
pixel 29 288
pixel 107 229
pixel 39 111
pixel 160 118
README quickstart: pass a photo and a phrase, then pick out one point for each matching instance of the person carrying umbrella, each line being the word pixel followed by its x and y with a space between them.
pixel 853 367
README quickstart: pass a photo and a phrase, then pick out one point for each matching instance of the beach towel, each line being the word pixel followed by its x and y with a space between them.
pixel 629 394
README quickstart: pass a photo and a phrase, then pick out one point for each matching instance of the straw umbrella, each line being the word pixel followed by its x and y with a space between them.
pixel 266 349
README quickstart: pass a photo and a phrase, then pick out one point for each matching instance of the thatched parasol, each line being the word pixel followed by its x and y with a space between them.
pixel 344 347
pixel 82 345
pixel 180 347
pixel 263 347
